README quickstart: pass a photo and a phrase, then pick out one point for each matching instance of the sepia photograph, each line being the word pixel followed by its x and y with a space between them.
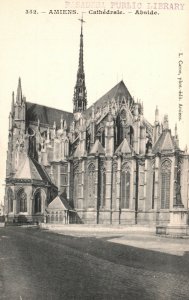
pixel 94 184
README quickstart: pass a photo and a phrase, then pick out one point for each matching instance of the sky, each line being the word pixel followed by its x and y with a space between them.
pixel 142 50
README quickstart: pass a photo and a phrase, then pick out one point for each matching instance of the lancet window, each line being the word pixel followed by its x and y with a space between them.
pixel 165 184
pixel 125 186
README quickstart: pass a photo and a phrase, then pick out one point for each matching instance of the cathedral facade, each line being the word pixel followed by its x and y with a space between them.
pixel 105 164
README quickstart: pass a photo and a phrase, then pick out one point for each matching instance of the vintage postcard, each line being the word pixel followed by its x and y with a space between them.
pixel 94 137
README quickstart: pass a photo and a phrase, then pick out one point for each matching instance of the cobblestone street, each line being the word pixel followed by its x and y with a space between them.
pixel 38 264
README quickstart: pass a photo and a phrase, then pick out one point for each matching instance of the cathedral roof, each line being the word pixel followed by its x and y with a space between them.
pixel 124 148
pixel 46 115
pixel 165 142
pixel 97 148
pixel 30 169
pixel 117 92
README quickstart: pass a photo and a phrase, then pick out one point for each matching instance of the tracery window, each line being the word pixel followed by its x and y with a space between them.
pixel 37 202
pixel 125 186
pixel 165 184
pixel 63 176
pixel 101 136
pixel 21 201
pixel 131 135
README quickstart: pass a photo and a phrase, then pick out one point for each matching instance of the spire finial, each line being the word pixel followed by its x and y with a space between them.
pixel 93 112
pixel 65 125
pixel 19 92
pixel 142 108
pixel 82 21
pixel 165 122
pixel 48 134
pixel 61 122
pixel 176 133
pixel 156 116
pixel 54 129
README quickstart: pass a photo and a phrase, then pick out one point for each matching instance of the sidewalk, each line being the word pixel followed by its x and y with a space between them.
pixel 152 242
pixel 97 230
pixel 142 237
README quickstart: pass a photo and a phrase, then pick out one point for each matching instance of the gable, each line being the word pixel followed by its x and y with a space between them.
pixel 59 203
pixel 56 204
pixel 168 143
pixel 165 142
pixel 117 93
pixel 97 148
pixel 124 148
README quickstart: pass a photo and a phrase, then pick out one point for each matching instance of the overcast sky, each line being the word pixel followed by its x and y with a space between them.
pixel 43 50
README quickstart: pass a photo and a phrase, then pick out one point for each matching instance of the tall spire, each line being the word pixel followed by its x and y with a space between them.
pixel 80 93
pixel 81 68
pixel 165 122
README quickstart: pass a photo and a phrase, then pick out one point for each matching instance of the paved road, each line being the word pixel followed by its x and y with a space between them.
pixel 39 265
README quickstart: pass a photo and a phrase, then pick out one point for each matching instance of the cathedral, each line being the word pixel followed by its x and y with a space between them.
pixel 103 164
